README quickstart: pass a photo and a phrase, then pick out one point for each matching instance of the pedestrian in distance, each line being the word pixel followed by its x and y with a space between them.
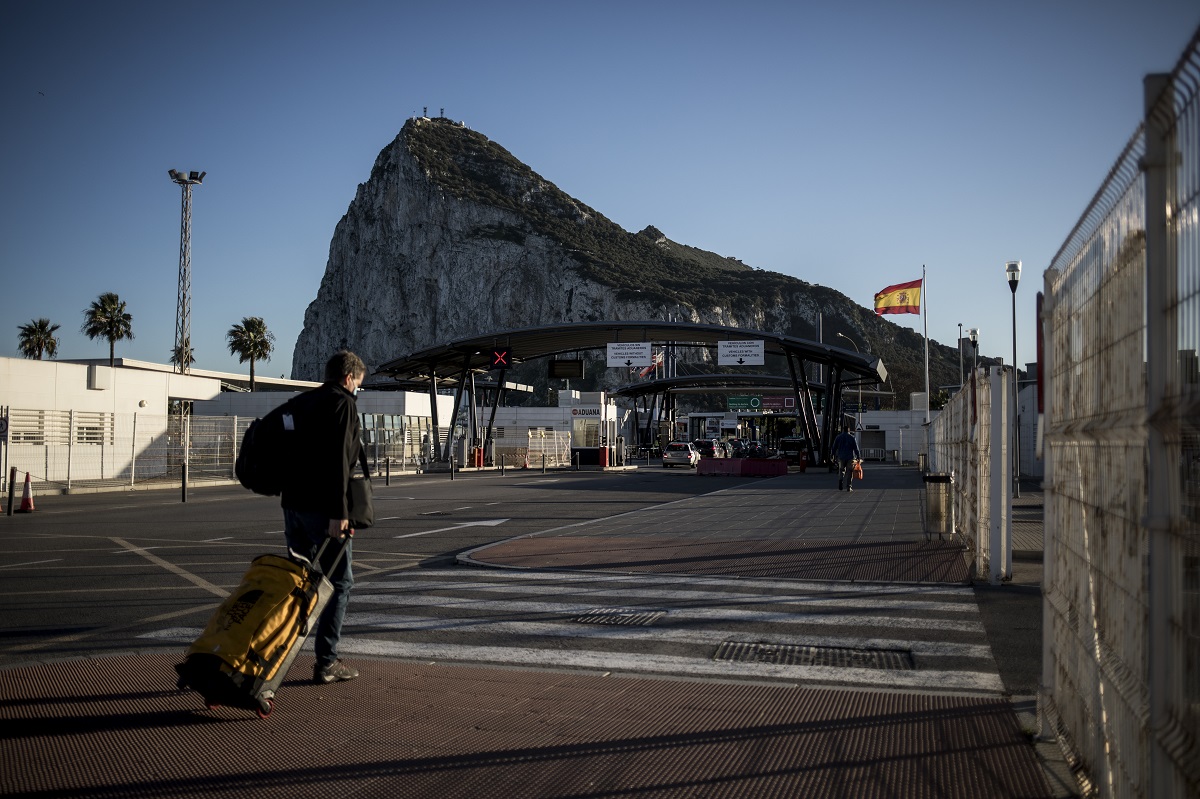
pixel 314 495
pixel 845 449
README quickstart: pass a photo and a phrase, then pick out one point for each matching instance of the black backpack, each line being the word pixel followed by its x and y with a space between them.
pixel 266 451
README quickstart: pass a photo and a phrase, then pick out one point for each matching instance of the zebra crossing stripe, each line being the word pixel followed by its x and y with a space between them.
pixel 688 614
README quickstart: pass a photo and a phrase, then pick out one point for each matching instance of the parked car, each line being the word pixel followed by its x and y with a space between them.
pixel 708 448
pixel 680 453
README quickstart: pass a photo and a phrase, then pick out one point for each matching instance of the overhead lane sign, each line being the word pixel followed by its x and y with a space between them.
pixel 630 354
pixel 740 353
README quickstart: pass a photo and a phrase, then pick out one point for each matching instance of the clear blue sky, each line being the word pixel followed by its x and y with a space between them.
pixel 845 145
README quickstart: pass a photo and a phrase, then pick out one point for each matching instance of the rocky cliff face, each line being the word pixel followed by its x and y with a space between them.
pixel 453 237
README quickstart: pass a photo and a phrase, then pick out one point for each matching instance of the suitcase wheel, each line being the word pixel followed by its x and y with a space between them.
pixel 265 706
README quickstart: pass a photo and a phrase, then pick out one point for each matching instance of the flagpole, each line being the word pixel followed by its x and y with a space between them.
pixel 925 317
pixel 928 398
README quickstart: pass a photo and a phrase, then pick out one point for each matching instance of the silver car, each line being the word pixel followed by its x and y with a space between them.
pixel 680 453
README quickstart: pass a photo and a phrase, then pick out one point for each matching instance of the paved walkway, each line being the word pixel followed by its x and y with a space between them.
pixel 117 727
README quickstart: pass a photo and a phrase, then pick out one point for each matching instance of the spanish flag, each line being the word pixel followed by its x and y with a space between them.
pixel 900 298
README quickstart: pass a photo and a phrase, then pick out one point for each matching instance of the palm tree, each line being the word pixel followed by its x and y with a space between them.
pixel 38 337
pixel 187 353
pixel 251 341
pixel 106 318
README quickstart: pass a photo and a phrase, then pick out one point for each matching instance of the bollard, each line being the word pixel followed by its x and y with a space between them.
pixel 543 463
pixel 501 464
pixel 451 467
pixel 387 479
pixel 576 461
pixel 12 481
pixel 183 487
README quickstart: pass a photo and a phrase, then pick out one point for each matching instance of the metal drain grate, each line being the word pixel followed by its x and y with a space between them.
pixel 623 616
pixel 789 655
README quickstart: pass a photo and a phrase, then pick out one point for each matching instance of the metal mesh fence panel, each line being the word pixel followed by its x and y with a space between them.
pixel 1122 576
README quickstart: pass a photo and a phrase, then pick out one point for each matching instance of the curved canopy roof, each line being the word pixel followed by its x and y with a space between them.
pixel 447 362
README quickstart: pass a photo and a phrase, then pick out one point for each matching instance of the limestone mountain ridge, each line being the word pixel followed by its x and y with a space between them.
pixel 452 236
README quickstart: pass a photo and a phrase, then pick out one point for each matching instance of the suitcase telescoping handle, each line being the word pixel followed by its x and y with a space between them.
pixel 342 543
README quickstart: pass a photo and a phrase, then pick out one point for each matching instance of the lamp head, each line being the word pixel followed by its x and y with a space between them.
pixel 1013 270
pixel 973 334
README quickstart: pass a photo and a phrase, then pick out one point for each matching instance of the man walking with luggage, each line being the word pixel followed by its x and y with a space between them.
pixel 845 449
pixel 314 496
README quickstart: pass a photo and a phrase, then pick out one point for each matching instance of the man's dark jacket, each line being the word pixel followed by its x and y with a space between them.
pixel 325 451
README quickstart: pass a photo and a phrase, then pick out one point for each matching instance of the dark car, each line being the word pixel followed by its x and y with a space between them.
pixel 708 448
pixel 791 448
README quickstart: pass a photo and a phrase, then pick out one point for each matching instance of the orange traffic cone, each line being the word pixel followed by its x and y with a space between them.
pixel 27 496
pixel 526 466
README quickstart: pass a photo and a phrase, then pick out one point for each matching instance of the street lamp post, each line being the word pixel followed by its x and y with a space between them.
pixel 858 416
pixel 1012 269
pixel 183 315
pixel 973 334
pixel 962 380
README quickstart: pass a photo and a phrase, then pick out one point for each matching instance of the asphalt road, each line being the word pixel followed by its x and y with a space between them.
pixel 87 574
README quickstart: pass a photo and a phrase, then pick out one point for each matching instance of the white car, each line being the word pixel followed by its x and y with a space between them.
pixel 682 453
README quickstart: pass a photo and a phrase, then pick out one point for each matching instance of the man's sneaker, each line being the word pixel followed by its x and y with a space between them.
pixel 337 671
pixel 851 488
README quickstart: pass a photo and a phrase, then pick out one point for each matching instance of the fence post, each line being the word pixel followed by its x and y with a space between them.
pixel 70 443
pixel 185 432
pixel 1001 483
pixel 1166 668
pixel 133 453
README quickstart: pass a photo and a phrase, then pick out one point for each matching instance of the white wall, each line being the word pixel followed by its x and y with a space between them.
pixel 54 386
pixel 260 403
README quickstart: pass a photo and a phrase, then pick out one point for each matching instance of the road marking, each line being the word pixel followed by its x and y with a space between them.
pixel 530 619
pixel 484 523
pixel 930 679
pixel 195 580
pixel 834 618
pixel 30 563
pixel 551 629
pixel 107 631
pixel 830 598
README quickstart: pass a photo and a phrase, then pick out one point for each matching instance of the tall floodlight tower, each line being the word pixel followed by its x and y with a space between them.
pixel 183 314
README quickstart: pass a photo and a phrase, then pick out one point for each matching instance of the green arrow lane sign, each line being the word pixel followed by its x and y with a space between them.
pixel 746 403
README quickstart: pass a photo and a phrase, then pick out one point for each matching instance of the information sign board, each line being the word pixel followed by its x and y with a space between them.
pixel 744 403
pixel 740 353
pixel 630 353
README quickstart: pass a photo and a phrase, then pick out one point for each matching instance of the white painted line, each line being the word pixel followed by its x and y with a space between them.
pixel 701 581
pixel 30 563
pixel 483 523
pixel 880 600
pixel 932 679
pixel 671 664
pixel 687 614
pixel 199 582
pixel 654 632
pixel 107 631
